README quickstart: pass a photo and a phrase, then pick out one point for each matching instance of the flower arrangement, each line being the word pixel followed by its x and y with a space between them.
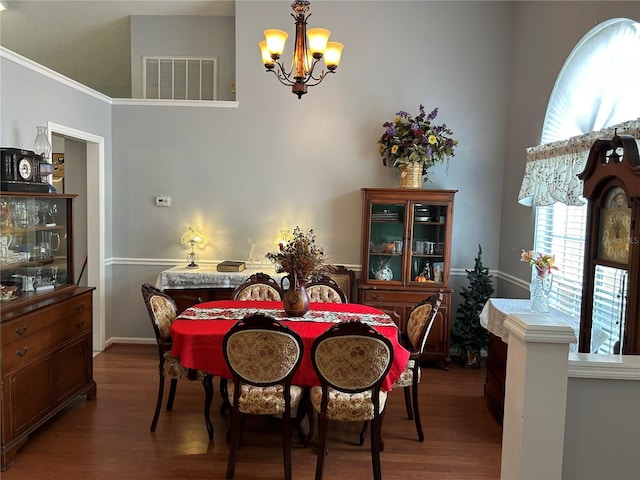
pixel 407 140
pixel 544 263
pixel 300 257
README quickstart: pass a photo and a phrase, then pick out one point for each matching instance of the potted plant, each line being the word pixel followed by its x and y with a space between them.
pixel 467 331
pixel 417 144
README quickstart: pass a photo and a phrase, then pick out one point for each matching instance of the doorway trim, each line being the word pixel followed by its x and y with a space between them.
pixel 95 222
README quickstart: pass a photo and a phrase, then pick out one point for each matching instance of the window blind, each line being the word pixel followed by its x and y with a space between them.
pixel 560 230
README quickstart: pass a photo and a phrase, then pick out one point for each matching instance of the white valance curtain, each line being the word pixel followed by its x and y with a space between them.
pixel 551 171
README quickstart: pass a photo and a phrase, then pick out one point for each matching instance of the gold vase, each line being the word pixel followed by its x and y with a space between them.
pixel 411 175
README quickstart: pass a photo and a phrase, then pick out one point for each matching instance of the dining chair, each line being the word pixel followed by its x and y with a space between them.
pixel 351 360
pixel 414 339
pixel 259 286
pixel 325 289
pixel 345 278
pixel 162 312
pixel 262 355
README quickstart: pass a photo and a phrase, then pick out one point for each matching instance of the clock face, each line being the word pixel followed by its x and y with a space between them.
pixel 25 169
pixel 615 228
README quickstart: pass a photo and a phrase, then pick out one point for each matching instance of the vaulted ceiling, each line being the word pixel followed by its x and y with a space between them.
pixel 88 40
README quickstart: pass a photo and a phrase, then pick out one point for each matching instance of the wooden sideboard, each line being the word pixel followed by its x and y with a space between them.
pixel 47 360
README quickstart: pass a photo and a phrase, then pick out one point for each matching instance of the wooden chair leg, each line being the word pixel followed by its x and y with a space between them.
pixel 225 399
pixel 323 425
pixel 363 432
pixel 207 383
pixel 407 402
pixel 235 442
pixel 172 393
pixel 286 442
pixel 156 414
pixel 311 415
pixel 376 440
pixel 416 412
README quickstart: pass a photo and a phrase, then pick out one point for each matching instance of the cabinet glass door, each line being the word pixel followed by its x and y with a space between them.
pixel 428 243
pixel 386 233
pixel 34 246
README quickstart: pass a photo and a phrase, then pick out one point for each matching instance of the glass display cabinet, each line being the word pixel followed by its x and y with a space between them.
pixel 406 251
pixel 46 339
pixel 35 247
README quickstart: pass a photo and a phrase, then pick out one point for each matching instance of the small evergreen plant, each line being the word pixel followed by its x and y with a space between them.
pixel 467 331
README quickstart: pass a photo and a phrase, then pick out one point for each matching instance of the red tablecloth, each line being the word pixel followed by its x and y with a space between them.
pixel 197 341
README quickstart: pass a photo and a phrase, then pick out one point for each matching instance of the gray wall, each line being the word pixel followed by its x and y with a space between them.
pixel 602 430
pixel 276 161
pixel 204 36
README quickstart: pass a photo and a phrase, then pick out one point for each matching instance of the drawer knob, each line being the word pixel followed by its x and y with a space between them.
pixel 22 353
pixel 80 324
pixel 79 306
pixel 375 296
pixel 20 332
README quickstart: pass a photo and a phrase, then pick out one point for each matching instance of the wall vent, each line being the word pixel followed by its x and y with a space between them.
pixel 180 78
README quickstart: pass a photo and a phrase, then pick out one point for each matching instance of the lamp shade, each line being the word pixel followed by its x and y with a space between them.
pixel 332 54
pixel 318 38
pixel 41 144
pixel 266 54
pixel 275 41
pixel 192 237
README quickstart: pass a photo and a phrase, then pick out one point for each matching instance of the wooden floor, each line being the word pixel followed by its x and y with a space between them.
pixel 108 438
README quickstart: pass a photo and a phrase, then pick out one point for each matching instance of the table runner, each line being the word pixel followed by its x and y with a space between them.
pixel 325 316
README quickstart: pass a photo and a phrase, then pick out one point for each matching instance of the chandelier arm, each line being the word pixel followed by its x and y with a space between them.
pixel 282 78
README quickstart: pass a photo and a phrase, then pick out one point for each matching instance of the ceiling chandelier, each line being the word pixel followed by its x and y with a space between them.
pixel 310 46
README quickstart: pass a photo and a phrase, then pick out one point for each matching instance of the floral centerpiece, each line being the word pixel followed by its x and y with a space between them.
pixel 409 140
pixel 541 282
pixel 300 257
pixel 544 263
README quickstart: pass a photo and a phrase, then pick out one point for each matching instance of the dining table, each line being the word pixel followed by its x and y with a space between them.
pixel 198 332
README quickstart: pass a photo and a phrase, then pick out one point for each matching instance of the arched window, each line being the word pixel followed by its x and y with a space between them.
pixel 596 88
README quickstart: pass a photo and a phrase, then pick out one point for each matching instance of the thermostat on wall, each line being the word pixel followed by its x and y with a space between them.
pixel 163 201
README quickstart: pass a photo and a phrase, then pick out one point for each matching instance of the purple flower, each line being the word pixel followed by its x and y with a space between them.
pixel 433 114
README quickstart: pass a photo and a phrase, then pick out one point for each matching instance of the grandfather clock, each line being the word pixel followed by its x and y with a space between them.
pixel 611 284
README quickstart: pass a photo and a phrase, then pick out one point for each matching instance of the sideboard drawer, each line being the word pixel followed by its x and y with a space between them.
pixel 28 346
pixel 40 319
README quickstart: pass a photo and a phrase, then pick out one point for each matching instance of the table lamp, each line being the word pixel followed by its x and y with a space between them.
pixel 191 238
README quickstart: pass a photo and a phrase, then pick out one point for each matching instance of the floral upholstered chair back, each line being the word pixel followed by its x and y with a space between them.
pixel 258 286
pixel 421 321
pixel 353 358
pixel 262 355
pixel 162 310
pixel 325 289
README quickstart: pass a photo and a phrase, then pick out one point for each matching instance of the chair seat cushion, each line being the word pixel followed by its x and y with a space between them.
pixel 406 377
pixel 264 400
pixel 347 407
pixel 173 369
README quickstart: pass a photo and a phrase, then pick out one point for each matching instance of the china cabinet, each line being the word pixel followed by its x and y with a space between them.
pixel 46 320
pixel 406 256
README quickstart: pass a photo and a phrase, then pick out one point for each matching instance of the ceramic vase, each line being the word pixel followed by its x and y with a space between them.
pixel 540 288
pixel 295 300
